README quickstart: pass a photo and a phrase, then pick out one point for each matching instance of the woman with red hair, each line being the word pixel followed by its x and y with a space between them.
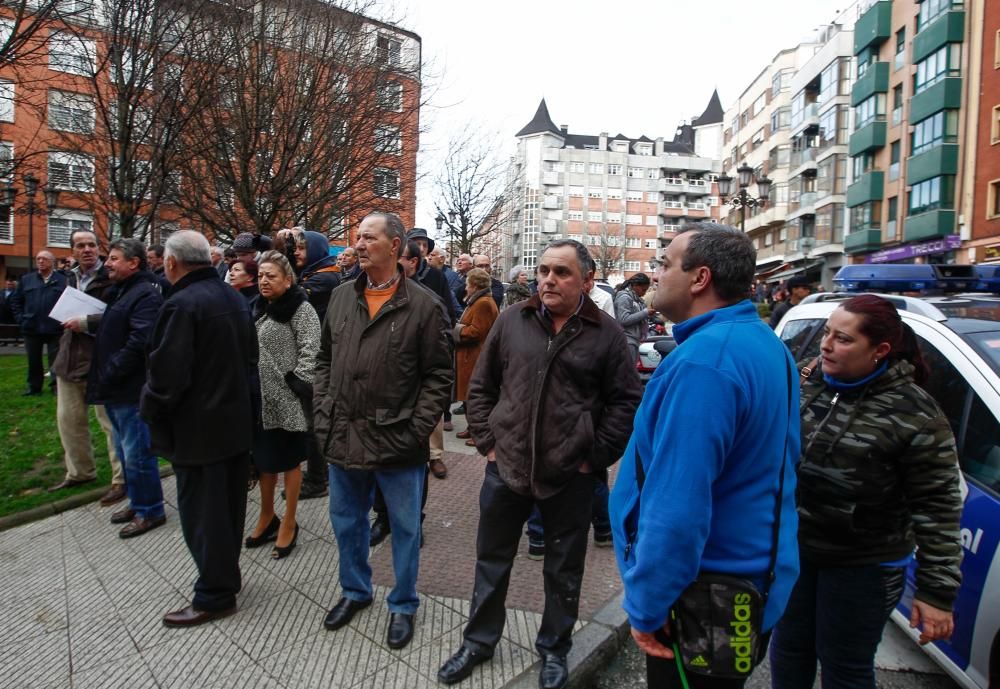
pixel 878 477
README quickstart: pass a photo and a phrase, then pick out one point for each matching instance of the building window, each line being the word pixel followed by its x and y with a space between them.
pixel 595 216
pixel 615 218
pixel 897 104
pixel 890 225
pixel 939 128
pixel 634 195
pixel 388 140
pixel 63 223
pixel 644 150
pixel 6 226
pixel 894 156
pixel 932 194
pixel 631 219
pixel 993 199
pixel 636 172
pixel 595 193
pixel 900 49
pixel 577 167
pixel 389 50
pixel 574 215
pixel 387 183
pixel 68 53
pixel 614 169
pixel 867 216
pixel 390 96
pixel 866 58
pixel 6 101
pixel 6 162
pixel 615 194
pixel 653 196
pixel 995 126
pixel 945 62
pixel 653 173
pixel 71 112
pixel 576 191
pixel 781 118
pixel 932 9
pixel 863 163
pixel 869 110
pixel 597 168
pixel 71 171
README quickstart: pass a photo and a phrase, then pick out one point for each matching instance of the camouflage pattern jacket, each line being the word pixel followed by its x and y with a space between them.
pixel 879 474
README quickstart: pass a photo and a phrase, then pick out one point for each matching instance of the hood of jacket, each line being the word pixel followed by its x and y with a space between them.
pixel 317 252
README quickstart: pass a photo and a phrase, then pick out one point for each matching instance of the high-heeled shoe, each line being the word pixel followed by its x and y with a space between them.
pixel 269 534
pixel 284 551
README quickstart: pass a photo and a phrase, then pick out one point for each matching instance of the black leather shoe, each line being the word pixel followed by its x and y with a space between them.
pixel 380 531
pixel 400 630
pixel 311 490
pixel 343 612
pixel 461 665
pixel 554 674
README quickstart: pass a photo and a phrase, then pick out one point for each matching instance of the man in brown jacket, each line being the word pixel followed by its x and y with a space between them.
pixel 70 369
pixel 551 402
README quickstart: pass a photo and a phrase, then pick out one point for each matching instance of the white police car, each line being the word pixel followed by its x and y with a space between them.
pixel 959 335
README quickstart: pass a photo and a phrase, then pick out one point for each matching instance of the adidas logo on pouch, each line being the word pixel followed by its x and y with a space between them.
pixel 699 661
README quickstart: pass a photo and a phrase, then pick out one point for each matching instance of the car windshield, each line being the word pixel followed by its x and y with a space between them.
pixel 988 346
pixel 980 309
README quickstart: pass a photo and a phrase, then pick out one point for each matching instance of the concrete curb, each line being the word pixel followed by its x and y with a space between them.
pixel 53 508
pixel 593 648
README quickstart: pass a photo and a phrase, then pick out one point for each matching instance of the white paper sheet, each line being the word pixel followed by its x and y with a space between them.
pixel 75 304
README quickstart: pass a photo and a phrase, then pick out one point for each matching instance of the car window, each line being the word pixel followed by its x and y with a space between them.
pixel 802 336
pixel 947 386
pixel 980 452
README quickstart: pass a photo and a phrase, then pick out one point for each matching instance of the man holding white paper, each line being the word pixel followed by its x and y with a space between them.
pixel 72 363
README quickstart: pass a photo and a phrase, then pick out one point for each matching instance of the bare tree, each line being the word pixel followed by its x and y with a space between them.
pixel 475 180
pixel 26 23
pixel 312 110
pixel 608 251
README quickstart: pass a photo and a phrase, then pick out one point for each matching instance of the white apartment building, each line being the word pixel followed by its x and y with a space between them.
pixel 623 197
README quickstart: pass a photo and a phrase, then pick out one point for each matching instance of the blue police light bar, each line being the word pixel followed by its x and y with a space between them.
pixel 917 277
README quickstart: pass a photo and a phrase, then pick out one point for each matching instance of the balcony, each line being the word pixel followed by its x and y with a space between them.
pixel 809 117
pixel 672 185
pixel 945 94
pixel 550 154
pixel 550 226
pixel 869 137
pixel 874 26
pixel 947 28
pixel 806 155
pixel 862 241
pixel 671 208
pixel 934 162
pixel 668 231
pixel 552 178
pixel 697 187
pixel 552 202
pixel 929 225
pixel 875 80
pixel 868 187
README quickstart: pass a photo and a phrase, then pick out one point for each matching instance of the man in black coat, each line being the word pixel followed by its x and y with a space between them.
pixel 496 287
pixel 202 400
pixel 6 312
pixel 36 294
pixel 117 372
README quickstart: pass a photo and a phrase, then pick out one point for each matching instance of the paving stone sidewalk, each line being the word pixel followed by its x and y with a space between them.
pixel 83 607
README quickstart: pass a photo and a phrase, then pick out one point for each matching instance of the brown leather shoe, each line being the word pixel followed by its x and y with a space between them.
pixel 70 483
pixel 191 617
pixel 470 442
pixel 463 435
pixel 123 516
pixel 116 493
pixel 438 468
pixel 139 526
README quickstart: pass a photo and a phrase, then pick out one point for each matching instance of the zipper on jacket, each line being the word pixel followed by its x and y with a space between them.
pixel 819 427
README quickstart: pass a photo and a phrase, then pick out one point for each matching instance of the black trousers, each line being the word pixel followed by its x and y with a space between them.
pixel 34 345
pixel 663 674
pixel 502 514
pixel 212 501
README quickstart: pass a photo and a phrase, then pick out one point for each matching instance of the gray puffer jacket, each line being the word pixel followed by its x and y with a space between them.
pixel 289 333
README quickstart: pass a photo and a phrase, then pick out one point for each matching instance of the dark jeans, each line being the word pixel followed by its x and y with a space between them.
pixel 139 465
pixel 835 616
pixel 663 674
pixel 212 502
pixel 34 344
pixel 502 513
pixel 600 518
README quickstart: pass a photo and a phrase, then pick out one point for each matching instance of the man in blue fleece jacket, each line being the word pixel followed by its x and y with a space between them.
pixel 716 421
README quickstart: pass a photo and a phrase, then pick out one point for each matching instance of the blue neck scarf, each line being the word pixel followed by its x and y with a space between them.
pixel 842 385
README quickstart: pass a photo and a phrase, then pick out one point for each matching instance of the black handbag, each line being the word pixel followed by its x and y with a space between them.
pixel 715 624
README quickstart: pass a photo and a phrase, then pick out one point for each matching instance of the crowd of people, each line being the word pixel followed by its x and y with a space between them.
pixel 349 367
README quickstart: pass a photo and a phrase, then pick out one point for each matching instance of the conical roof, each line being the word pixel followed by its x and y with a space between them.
pixel 541 122
pixel 714 114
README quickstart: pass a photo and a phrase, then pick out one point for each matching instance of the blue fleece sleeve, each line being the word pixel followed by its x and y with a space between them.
pixel 692 428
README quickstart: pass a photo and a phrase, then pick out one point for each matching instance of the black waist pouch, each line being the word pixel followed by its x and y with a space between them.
pixel 716 624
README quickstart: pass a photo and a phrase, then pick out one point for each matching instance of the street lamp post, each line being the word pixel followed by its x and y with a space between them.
pixel 439 222
pixel 8 194
pixel 742 199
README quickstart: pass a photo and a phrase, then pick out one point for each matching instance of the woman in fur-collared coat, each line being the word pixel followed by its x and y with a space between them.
pixel 471 331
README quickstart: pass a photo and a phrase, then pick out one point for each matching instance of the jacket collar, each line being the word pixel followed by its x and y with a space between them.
pixel 196 275
pixel 740 311
pixel 398 297
pixel 587 310
pixel 283 309
pixel 478 294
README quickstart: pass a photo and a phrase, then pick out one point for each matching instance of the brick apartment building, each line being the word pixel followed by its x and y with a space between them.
pixel 50 128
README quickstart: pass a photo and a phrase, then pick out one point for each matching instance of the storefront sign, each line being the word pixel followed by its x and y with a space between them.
pixel 899 253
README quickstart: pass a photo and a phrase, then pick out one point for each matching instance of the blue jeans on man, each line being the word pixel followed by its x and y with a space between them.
pixel 351 496
pixel 139 465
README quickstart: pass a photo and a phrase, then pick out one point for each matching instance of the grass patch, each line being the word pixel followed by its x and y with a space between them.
pixel 31 456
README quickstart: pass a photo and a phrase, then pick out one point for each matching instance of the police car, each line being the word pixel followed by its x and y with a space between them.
pixel 955 313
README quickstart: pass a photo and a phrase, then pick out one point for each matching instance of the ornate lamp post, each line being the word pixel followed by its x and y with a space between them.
pixel 742 199
pixel 439 222
pixel 8 194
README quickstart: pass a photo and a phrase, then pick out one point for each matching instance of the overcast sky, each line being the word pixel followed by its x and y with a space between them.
pixel 634 66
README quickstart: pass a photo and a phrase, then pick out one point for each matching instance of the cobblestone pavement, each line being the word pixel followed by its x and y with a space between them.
pixel 83 607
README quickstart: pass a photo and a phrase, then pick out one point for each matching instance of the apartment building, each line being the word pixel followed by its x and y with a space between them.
pixel 792 125
pixel 52 127
pixel 912 156
pixel 623 197
pixel 983 245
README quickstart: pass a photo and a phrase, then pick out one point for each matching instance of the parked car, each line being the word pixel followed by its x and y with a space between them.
pixel 959 336
pixel 652 350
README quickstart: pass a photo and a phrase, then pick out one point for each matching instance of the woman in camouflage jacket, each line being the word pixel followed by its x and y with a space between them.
pixel 878 476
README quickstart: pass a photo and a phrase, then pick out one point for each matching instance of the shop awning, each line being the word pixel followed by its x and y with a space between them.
pixel 770 260
pixel 795 270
